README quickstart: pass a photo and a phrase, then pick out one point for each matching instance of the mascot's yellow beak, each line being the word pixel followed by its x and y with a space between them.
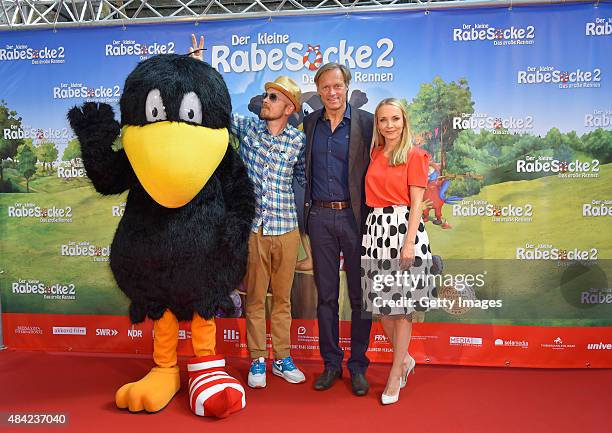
pixel 174 160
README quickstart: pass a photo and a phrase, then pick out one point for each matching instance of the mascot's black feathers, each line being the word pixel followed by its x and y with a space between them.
pixel 96 128
pixel 175 76
pixel 187 259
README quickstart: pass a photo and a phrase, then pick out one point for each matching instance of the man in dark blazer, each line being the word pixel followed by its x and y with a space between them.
pixel 338 139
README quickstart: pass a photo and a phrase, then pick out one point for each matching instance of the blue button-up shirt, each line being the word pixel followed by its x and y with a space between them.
pixel 271 162
pixel 330 154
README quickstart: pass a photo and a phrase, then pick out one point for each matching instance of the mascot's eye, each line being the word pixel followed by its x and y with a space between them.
pixel 155 106
pixel 191 108
pixel 307 109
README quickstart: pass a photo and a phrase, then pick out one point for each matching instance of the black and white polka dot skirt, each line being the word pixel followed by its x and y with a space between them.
pixel 387 289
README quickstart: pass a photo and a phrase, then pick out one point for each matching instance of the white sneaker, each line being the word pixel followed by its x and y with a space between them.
pixel 286 369
pixel 257 373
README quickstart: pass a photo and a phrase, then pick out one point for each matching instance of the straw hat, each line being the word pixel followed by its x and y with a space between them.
pixel 287 87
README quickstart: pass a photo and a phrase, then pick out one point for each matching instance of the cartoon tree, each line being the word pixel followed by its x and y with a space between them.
pixel 26 142
pixel 72 150
pixel 11 122
pixel 47 153
pixel 573 141
pixel 468 156
pixel 433 109
pixel 527 145
pixel 599 144
pixel 559 143
pixel 26 164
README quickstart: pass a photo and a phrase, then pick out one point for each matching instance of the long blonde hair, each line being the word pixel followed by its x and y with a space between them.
pixel 400 153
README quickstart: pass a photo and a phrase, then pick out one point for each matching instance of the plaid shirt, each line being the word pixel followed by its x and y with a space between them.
pixel 271 163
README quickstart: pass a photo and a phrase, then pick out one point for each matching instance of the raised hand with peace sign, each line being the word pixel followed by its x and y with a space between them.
pixel 197 50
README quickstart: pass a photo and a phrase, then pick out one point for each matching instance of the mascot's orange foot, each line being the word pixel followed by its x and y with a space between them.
pixel 213 392
pixel 151 393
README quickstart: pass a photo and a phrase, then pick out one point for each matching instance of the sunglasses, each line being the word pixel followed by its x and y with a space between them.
pixel 273 96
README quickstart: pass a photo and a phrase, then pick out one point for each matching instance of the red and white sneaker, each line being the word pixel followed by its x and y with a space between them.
pixel 213 392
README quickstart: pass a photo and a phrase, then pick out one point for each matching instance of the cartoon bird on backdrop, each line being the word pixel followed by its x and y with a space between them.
pixel 181 246
pixel 435 193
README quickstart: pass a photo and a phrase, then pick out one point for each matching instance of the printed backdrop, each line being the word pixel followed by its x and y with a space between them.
pixel 515 107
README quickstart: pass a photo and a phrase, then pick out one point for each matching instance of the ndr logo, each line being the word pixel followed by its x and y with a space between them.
pixel 134 333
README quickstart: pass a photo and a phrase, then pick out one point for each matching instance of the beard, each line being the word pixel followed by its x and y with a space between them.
pixel 266 114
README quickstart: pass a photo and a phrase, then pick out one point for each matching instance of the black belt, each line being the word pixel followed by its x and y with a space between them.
pixel 332 204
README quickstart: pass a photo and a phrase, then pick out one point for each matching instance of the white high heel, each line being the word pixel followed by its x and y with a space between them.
pixel 411 365
pixel 390 399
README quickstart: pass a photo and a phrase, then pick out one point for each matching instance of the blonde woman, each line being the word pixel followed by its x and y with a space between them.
pixel 396 257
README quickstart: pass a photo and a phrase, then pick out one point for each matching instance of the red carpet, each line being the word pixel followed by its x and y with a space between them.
pixel 437 399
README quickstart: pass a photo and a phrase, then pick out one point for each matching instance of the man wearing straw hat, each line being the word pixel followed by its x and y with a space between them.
pixel 273 153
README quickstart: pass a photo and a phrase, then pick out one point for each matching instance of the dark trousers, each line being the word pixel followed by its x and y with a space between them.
pixel 332 231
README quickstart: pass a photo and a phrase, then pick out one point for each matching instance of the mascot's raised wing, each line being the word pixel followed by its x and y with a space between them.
pixel 181 246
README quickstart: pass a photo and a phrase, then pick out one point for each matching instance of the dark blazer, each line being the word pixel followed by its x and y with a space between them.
pixel 359 159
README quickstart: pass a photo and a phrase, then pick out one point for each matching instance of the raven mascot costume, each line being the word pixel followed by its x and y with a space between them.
pixel 181 247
